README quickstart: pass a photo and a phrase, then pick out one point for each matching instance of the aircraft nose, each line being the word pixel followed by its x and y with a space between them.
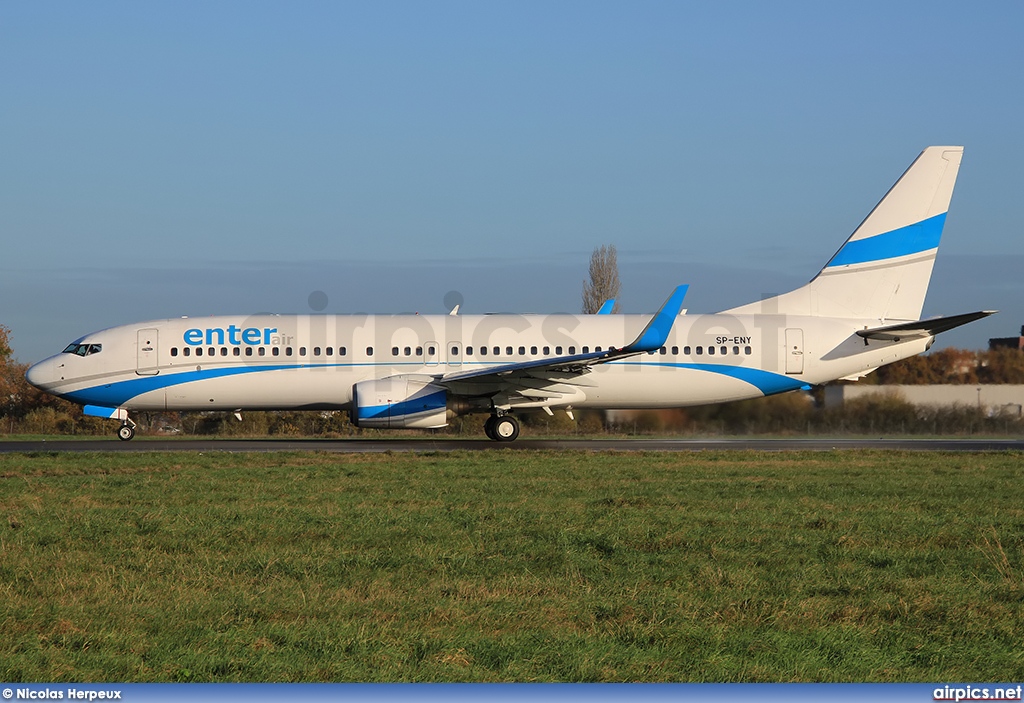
pixel 41 375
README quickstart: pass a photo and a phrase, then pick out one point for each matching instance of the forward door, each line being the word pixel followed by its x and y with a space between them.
pixel 148 353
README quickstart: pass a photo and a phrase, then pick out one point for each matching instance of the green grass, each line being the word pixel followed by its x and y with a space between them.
pixel 512 566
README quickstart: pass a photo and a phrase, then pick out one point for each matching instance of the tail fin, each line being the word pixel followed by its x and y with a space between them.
pixel 882 271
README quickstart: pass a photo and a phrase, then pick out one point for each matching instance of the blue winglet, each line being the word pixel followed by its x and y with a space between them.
pixel 657 330
pixel 606 308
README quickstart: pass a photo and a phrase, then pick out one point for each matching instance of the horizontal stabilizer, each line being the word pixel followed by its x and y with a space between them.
pixel 922 328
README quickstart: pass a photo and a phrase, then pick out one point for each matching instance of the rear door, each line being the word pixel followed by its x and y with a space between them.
pixel 794 350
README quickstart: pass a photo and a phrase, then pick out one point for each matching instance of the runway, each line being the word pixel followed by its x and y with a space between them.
pixel 421 445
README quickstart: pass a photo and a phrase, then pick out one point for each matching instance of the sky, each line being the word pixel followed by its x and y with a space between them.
pixel 161 159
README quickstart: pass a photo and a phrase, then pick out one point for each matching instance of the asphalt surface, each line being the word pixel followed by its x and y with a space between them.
pixel 355 446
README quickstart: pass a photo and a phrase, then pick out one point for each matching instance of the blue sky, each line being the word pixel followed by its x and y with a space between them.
pixel 162 159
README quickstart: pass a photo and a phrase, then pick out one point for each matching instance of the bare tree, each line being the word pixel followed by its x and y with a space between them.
pixel 604 280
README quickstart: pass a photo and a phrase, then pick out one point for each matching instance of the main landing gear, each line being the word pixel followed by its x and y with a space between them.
pixel 126 431
pixel 501 428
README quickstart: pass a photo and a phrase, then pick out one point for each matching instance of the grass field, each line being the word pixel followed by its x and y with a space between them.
pixel 512 566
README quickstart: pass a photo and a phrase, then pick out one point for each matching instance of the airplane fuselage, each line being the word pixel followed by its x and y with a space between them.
pixel 313 361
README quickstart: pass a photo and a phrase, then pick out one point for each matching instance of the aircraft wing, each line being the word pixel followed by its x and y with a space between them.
pixel 530 378
pixel 922 328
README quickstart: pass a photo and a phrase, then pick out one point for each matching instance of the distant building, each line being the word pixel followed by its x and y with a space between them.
pixel 1008 342
pixel 994 399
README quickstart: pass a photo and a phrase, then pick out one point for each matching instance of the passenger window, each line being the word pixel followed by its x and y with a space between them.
pixel 572 350
pixel 394 351
pixel 686 350
pixel 711 350
pixel 275 351
pixel 508 351
pixel 483 351
pixel 408 351
pixel 342 351
pixel 419 351
pixel 522 351
pixel 455 351
pixel 287 351
pixel 186 351
pixel 597 349
pixel 199 351
pixel 329 351
pixel 533 351
pixel 496 350
pixel 248 351
pixel 174 351
pixel 469 351
pixel 747 351
pixel 736 350
pixel 586 350
pixel 211 352
pixel 223 351
pixel 262 351
pixel 369 351
pixel 700 350
pixel 302 351
pixel 547 351
pixel 663 351
pixel 431 350
pixel 236 351
pixel 675 351
pixel 724 350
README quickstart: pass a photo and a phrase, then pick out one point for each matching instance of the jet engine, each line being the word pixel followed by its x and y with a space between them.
pixel 399 402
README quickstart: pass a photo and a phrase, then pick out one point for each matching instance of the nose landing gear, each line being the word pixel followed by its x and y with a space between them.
pixel 126 431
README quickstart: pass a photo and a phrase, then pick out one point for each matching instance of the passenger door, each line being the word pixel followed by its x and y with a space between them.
pixel 148 352
pixel 794 350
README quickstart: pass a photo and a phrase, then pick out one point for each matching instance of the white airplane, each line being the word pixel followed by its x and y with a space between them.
pixel 861 311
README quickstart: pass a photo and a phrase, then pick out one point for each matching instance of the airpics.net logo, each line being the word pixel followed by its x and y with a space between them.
pixel 977 693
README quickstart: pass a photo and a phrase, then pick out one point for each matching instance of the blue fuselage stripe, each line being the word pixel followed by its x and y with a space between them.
pixel 116 394
pixel 768 382
pixel 120 392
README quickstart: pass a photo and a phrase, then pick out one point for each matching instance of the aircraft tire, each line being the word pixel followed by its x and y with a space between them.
pixel 125 432
pixel 506 428
pixel 489 427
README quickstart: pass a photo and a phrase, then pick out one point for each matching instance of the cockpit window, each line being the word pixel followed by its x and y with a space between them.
pixel 83 349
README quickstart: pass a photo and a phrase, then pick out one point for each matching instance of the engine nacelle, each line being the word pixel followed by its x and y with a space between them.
pixel 399 402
